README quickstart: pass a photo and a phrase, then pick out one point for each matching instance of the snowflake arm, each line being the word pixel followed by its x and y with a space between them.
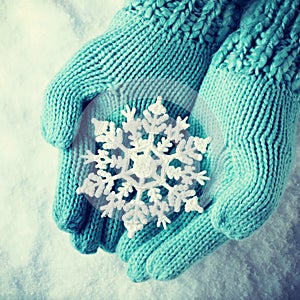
pixel 158 210
pixel 132 125
pixel 176 133
pixel 178 195
pixel 114 202
pixel 192 205
pixel 163 145
pixel 135 216
pixel 154 124
pixel 92 186
pixel 200 177
pixel 89 157
pixel 118 162
pixel 107 133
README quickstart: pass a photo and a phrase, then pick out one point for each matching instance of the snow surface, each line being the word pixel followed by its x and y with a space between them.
pixel 37 260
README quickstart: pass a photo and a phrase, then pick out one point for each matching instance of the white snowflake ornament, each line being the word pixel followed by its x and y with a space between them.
pixel 135 167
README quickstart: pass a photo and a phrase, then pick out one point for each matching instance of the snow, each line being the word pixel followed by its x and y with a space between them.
pixel 37 260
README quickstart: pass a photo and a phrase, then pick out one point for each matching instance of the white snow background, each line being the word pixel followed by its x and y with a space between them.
pixel 37 260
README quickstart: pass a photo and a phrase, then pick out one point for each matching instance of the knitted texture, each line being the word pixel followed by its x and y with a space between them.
pixel 167 40
pixel 252 86
pixel 154 39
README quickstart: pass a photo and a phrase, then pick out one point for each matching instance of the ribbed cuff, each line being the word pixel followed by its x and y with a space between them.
pixel 188 19
pixel 267 42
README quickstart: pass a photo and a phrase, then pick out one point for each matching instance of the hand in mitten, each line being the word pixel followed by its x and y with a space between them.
pixel 171 40
pixel 252 87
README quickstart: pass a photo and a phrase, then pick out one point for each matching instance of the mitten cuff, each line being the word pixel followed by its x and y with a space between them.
pixel 267 43
pixel 189 19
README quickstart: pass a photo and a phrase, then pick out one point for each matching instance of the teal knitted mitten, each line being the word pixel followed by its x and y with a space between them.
pixel 158 39
pixel 253 87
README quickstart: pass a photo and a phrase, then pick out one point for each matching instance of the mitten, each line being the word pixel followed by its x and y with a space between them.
pixel 252 87
pixel 159 39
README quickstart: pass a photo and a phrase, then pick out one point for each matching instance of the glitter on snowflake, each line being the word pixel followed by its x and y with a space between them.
pixel 141 154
